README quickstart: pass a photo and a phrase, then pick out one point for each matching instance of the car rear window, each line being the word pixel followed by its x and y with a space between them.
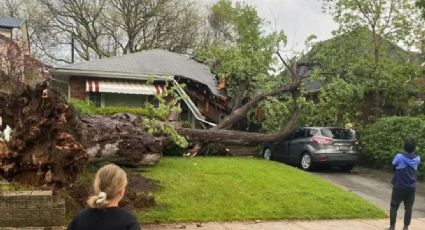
pixel 338 133
pixel 311 132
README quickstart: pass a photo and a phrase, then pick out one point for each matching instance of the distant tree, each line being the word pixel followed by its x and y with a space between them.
pixel 9 8
pixel 389 20
pixel 370 56
pixel 37 21
pixel 241 53
pixel 420 32
pixel 421 5
pixel 104 28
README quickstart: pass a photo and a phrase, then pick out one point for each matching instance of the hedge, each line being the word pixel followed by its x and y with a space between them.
pixel 383 139
pixel 87 108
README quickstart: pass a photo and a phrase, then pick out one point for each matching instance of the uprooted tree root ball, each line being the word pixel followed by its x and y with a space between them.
pixel 45 148
pixel 51 144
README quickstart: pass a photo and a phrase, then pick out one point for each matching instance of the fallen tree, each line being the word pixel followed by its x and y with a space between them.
pixel 52 143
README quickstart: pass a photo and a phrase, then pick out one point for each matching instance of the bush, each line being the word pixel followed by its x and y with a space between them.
pixel 382 140
pixel 87 108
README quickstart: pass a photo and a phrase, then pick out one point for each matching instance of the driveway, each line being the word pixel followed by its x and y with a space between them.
pixel 375 186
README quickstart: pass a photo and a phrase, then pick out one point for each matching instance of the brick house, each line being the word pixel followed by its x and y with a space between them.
pixel 123 81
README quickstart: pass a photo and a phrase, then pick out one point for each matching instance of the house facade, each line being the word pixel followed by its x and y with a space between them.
pixel 15 29
pixel 132 80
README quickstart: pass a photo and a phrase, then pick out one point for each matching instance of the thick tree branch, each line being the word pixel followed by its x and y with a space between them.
pixel 239 96
pixel 242 111
pixel 293 73
pixel 237 137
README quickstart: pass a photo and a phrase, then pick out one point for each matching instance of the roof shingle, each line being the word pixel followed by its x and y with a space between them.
pixel 11 22
pixel 155 62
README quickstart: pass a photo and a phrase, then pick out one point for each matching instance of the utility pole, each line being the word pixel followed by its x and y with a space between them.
pixel 72 47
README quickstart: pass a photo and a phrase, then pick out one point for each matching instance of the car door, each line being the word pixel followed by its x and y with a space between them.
pixel 282 149
pixel 296 145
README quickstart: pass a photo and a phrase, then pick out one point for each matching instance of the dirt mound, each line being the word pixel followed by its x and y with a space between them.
pixel 138 193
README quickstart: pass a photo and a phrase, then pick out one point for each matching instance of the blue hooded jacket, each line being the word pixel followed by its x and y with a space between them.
pixel 406 167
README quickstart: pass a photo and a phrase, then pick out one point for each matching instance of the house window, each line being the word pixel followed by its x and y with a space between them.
pixel 185 112
pixel 125 100
pixel 299 133
pixel 152 100
pixel 95 98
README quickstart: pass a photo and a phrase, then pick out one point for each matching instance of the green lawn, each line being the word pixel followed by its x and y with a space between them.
pixel 226 189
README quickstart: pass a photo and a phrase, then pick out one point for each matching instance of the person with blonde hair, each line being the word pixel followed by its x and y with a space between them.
pixel 350 127
pixel 103 212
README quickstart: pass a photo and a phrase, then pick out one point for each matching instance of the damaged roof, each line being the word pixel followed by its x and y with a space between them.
pixel 151 62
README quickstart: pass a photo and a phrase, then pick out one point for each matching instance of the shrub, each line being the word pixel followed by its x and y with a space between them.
pixel 87 108
pixel 383 139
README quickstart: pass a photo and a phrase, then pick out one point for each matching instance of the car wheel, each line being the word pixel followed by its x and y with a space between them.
pixel 267 154
pixel 347 168
pixel 306 162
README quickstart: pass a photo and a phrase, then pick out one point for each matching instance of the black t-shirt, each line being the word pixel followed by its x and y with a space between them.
pixel 112 218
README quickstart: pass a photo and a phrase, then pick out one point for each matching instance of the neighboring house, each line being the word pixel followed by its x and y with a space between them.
pixel 342 47
pixel 15 29
pixel 125 81
pixel 311 86
pixel 17 63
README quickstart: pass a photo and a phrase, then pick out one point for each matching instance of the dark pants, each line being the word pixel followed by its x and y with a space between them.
pixel 407 195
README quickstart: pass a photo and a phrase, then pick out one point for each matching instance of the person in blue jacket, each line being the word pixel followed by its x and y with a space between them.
pixel 404 182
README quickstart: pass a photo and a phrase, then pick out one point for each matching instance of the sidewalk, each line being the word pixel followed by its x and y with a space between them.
pixel 417 224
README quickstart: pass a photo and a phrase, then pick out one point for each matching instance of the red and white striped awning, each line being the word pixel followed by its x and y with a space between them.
pixel 123 87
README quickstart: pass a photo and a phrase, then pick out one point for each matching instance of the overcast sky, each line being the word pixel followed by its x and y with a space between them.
pixel 297 18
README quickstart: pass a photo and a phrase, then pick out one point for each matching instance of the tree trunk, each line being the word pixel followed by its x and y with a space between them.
pixel 50 144
pixel 237 137
pixel 120 138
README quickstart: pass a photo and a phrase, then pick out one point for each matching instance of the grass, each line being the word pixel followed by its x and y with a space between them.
pixel 228 189
pixel 12 187
pixel 88 108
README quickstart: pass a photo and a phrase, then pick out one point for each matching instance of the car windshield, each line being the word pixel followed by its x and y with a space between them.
pixel 338 133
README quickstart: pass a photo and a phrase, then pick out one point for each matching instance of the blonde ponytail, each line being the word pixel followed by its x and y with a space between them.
pixel 109 181
pixel 97 202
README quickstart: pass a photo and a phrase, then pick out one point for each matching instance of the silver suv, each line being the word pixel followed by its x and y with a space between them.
pixel 316 146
